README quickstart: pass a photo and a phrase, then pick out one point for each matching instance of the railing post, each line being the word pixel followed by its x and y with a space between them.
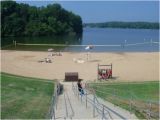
pixel 78 93
pixel 94 105
pixel 97 72
pixel 149 110
pixel 86 98
pixel 53 115
pixel 81 95
pixel 56 100
pixel 66 106
pixel 114 95
pixel 102 112
pixel 130 103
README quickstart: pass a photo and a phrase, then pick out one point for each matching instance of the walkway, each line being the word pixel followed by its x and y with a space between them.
pixel 73 106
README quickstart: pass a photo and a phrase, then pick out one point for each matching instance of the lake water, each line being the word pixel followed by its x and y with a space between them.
pixel 94 36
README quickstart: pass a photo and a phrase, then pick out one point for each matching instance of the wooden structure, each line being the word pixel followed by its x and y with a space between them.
pixel 104 72
pixel 71 76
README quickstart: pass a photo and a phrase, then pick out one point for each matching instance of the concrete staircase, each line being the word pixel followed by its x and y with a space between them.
pixel 71 105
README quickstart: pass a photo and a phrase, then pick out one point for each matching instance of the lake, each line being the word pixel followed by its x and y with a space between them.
pixel 121 40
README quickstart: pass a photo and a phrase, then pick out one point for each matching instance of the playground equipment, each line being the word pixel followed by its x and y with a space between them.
pixel 104 72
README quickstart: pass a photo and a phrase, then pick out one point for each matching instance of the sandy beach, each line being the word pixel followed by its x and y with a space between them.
pixel 133 66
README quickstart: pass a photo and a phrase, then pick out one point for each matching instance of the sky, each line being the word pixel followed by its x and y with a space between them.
pixel 104 11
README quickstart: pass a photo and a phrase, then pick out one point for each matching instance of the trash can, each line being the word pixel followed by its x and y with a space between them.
pixel 71 76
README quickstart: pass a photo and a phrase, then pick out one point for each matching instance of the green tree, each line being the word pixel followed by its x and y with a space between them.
pixel 22 19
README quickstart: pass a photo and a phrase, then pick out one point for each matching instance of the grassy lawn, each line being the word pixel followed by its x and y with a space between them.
pixel 140 93
pixel 25 98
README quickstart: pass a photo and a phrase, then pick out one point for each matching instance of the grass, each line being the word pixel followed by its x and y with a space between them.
pixel 25 98
pixel 140 93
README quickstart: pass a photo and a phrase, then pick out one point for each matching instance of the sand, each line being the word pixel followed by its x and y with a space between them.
pixel 127 66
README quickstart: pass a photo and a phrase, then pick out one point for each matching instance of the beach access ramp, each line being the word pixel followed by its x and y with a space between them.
pixel 71 105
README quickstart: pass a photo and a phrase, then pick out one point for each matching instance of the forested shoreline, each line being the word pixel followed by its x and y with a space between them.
pixel 116 24
pixel 24 20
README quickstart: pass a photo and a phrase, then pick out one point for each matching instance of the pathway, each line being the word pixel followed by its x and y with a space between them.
pixel 73 106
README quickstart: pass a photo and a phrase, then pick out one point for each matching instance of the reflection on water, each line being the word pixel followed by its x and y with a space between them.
pixel 91 36
pixel 67 40
pixel 70 39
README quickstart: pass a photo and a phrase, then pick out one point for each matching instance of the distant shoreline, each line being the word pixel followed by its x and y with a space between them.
pixel 124 25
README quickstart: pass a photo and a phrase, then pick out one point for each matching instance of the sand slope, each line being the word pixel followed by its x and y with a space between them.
pixel 126 66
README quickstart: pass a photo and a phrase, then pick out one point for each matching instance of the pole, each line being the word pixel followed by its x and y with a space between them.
pixel 151 42
pixel 87 56
pixel 98 72
pixel 125 43
pixel 103 112
pixel 66 106
pixel 15 43
pixel 149 111
pixel 130 103
pixel 78 93
pixel 81 95
pixel 56 96
pixel 86 98
pixel 94 105
pixel 111 69
pixel 114 94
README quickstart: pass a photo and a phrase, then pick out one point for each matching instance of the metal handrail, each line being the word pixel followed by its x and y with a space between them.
pixel 107 109
pixel 101 108
pixel 66 106
pixel 70 106
pixel 54 100
pixel 148 112
pixel 66 103
pixel 132 95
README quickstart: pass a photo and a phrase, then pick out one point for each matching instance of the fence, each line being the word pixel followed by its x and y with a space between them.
pixel 108 45
pixel 53 106
pixel 89 97
pixel 141 108
pixel 66 45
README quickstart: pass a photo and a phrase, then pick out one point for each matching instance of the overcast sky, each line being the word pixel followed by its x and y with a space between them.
pixel 102 11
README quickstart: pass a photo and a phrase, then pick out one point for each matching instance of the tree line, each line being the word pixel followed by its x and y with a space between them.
pixel 135 25
pixel 24 20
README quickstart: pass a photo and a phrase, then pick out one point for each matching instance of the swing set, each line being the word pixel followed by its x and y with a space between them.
pixel 104 72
